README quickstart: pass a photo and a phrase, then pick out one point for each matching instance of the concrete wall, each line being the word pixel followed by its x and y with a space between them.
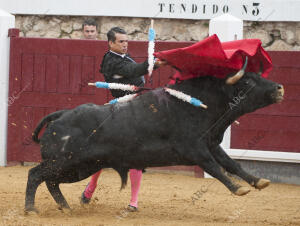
pixel 274 35
pixel 277 172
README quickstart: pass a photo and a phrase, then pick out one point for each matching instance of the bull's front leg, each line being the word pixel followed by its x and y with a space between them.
pixel 234 167
pixel 204 159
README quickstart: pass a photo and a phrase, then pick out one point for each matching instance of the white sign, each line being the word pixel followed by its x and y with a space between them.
pixel 253 10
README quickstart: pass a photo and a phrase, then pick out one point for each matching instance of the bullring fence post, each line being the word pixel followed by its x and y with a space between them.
pixel 6 21
pixel 227 28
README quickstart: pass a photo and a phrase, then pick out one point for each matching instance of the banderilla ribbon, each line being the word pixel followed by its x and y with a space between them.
pixel 120 86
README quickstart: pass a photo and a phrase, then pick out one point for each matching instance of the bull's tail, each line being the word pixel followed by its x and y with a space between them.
pixel 44 121
pixel 124 176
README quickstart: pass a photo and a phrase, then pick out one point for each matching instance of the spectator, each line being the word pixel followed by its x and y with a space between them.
pixel 90 29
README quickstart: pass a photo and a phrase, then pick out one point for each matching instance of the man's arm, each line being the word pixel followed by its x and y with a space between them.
pixel 130 69
pixel 133 70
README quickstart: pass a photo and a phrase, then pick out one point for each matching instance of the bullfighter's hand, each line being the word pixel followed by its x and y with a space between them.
pixel 159 63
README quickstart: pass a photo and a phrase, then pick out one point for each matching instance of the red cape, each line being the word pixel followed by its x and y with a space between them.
pixel 211 57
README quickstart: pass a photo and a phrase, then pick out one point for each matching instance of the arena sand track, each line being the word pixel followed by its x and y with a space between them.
pixel 165 199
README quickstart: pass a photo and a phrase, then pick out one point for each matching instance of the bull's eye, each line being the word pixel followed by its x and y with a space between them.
pixel 250 83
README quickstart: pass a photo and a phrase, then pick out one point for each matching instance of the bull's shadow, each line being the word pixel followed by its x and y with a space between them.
pixel 154 129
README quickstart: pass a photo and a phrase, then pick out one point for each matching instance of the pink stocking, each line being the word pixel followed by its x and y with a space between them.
pixel 90 188
pixel 135 177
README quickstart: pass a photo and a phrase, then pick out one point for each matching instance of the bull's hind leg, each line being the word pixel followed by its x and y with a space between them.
pixel 234 167
pixel 54 190
pixel 35 178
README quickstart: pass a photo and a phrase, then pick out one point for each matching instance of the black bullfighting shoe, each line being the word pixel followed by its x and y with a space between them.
pixel 131 208
pixel 83 199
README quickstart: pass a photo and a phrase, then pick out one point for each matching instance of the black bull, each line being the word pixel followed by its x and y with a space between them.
pixel 154 129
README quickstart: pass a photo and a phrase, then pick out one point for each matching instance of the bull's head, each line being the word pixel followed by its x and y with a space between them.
pixel 260 92
pixel 252 91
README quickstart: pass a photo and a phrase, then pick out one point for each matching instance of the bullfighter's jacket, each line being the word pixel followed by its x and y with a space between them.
pixel 119 68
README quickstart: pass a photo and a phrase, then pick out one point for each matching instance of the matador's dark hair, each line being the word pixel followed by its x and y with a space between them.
pixel 111 34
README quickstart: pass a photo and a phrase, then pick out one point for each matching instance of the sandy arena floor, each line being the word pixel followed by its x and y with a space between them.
pixel 165 199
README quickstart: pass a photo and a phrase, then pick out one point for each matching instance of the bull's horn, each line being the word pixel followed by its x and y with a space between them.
pixel 232 80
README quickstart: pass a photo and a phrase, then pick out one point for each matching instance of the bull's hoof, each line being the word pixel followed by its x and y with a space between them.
pixel 242 191
pixel 67 211
pixel 84 200
pixel 262 183
pixel 31 211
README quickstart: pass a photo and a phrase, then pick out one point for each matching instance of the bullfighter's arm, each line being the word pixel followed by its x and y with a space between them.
pixel 130 70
